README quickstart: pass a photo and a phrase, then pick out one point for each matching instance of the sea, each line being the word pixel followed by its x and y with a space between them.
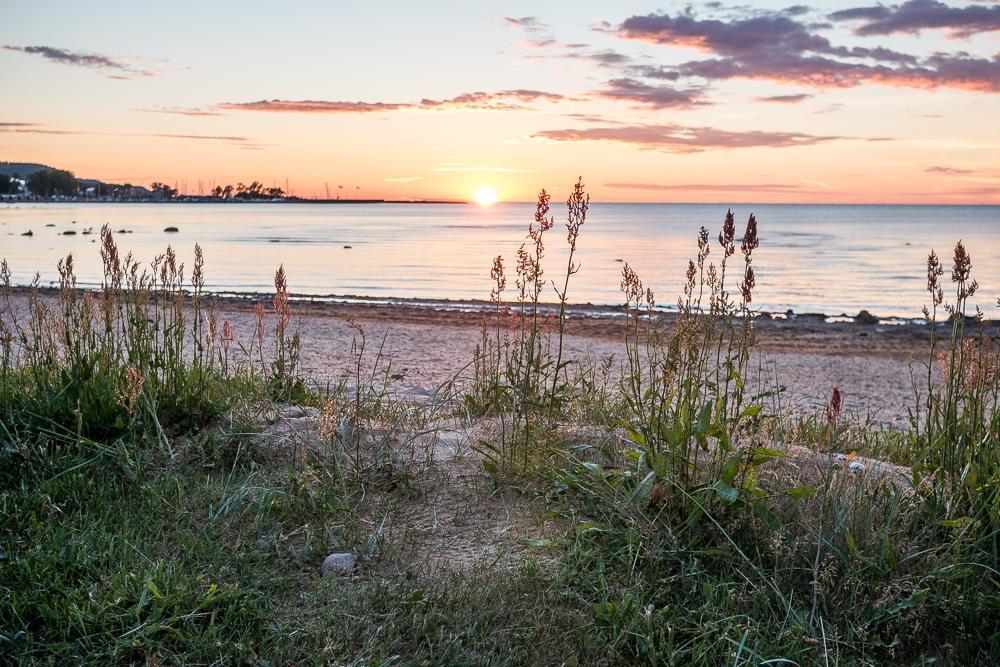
pixel 830 259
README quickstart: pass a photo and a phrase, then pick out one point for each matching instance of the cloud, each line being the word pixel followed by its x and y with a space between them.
pixel 542 43
pixel 950 171
pixel 119 69
pixel 311 106
pixel 181 111
pixel 402 179
pixel 594 118
pixel 654 97
pixel 505 100
pixel 35 128
pixel 785 99
pixel 601 58
pixel 200 137
pixel 917 15
pixel 489 170
pixel 673 138
pixel 526 23
pixel 777 47
pixel 707 187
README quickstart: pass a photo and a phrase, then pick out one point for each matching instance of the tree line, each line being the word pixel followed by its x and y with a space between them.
pixel 255 190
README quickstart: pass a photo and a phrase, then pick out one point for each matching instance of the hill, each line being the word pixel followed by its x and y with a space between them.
pixel 21 169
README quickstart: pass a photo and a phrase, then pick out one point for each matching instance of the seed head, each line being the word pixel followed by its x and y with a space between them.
pixel 750 240
pixel 631 285
pixel 576 205
pixel 198 275
pixel 962 266
pixel 728 234
pixel 749 281
pixel 835 407
pixel 128 395
pixel 499 279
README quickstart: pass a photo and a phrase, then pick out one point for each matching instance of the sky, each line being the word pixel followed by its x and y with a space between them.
pixel 830 102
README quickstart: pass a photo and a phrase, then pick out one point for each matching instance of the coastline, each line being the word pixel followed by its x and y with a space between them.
pixel 788 331
pixel 430 343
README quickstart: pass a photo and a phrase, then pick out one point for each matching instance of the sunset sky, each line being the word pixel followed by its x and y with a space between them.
pixel 702 102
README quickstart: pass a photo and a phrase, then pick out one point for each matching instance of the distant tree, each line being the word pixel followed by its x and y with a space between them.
pixel 49 182
pixel 7 185
pixel 163 191
pixel 255 190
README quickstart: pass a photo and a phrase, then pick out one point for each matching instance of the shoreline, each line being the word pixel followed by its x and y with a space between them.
pixel 777 332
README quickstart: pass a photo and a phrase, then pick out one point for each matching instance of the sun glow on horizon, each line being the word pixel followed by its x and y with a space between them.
pixel 485 195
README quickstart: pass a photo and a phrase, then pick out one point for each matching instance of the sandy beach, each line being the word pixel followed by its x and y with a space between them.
pixel 428 345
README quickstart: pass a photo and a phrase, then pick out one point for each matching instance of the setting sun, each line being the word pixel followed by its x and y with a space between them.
pixel 485 195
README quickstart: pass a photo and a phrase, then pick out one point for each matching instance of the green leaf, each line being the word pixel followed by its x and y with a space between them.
pixel 752 410
pixel 890 553
pixel 153 589
pixel 537 544
pixel 727 493
pixel 801 492
pixel 913 601
pixel 695 515
pixel 644 487
pixel 635 436
pixel 705 418
pixel 658 463
pixel 729 468
pixel 724 441
pixel 590 527
pixel 769 518
pixel 763 454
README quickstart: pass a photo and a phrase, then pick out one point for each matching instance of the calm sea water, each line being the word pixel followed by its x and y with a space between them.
pixel 829 259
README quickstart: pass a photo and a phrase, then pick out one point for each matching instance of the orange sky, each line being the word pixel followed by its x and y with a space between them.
pixel 845 102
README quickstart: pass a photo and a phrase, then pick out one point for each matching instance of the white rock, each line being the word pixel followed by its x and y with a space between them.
pixel 342 563
pixel 856 466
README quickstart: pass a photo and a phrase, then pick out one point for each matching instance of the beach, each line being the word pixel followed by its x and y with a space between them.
pixel 427 344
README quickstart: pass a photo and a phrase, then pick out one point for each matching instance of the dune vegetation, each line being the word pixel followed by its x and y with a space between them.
pixel 169 490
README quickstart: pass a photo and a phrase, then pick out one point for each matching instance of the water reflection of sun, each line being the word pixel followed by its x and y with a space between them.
pixel 485 195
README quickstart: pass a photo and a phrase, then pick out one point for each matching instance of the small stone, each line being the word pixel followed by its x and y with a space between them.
pixel 342 564
pixel 864 317
pixel 840 457
pixel 171 229
pixel 856 466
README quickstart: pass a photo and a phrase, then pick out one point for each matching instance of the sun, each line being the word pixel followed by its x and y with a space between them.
pixel 485 195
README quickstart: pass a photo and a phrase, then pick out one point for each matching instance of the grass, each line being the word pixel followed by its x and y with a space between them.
pixel 155 508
